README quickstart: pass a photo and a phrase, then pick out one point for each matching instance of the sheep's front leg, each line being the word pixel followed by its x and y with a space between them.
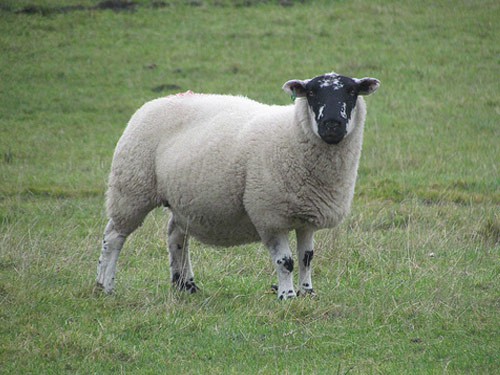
pixel 282 258
pixel 181 272
pixel 111 246
pixel 305 252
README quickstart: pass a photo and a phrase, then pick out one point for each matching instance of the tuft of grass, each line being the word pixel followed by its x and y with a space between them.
pixel 407 284
pixel 490 230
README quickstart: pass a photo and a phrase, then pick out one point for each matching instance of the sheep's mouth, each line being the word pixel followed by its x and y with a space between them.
pixel 332 140
pixel 332 133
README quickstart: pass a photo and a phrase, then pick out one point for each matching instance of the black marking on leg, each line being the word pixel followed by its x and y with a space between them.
pixel 176 277
pixel 284 294
pixel 179 247
pixel 308 255
pixel 190 286
pixel 288 263
pixel 306 285
pixel 274 288
pixel 187 285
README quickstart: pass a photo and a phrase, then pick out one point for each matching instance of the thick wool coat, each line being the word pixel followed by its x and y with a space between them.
pixel 232 170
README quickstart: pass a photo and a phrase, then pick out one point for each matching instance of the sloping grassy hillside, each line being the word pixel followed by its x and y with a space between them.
pixel 408 284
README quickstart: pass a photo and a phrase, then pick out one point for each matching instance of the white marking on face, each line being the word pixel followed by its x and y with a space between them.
pixel 343 112
pixel 337 84
pixel 324 83
pixel 316 129
pixel 320 112
pixel 351 123
pixel 314 122
pixel 332 82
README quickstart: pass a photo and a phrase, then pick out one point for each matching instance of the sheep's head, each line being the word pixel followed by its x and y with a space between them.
pixel 331 99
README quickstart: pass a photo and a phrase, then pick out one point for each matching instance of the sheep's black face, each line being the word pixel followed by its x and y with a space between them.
pixel 332 99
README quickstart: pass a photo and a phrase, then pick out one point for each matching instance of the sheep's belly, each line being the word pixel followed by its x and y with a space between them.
pixel 213 230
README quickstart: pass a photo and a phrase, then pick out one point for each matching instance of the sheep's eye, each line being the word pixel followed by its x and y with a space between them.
pixel 310 93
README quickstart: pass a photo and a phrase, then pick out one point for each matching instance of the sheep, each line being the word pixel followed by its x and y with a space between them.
pixel 235 171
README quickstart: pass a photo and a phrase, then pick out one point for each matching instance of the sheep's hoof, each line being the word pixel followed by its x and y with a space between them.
pixel 100 288
pixel 185 285
pixel 190 287
pixel 287 295
pixel 307 292
pixel 284 294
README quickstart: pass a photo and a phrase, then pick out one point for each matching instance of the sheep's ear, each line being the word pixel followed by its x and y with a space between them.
pixel 367 86
pixel 295 88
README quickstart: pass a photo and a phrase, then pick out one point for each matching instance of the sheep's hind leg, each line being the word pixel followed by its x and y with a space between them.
pixel 282 258
pixel 305 254
pixel 111 246
pixel 181 272
pixel 114 239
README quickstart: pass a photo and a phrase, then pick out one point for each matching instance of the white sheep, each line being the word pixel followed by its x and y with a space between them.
pixel 234 171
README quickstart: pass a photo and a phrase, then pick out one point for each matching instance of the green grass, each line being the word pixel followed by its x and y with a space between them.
pixel 409 283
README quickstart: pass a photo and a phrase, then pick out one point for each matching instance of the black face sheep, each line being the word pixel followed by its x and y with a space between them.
pixel 234 171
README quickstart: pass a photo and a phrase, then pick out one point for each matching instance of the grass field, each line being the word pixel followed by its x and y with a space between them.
pixel 409 283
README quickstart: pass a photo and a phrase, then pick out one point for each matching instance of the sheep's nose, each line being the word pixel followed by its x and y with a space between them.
pixel 332 132
pixel 333 125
